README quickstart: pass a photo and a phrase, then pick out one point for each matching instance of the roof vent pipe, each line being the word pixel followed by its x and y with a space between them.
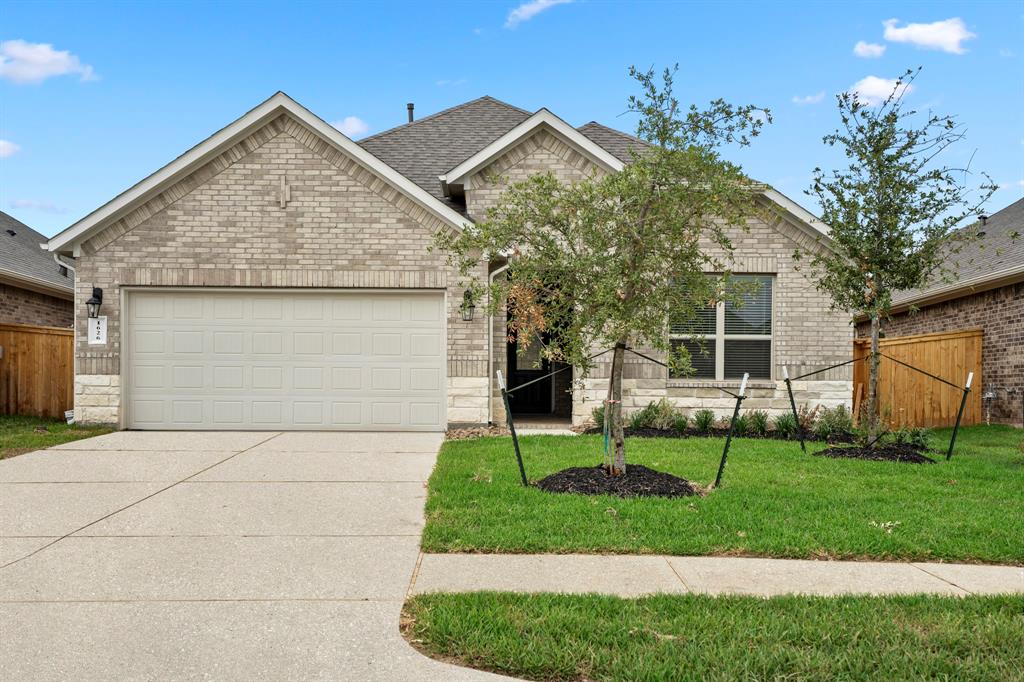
pixel 410 106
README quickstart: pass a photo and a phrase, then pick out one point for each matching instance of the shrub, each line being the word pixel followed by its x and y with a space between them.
pixel 656 415
pixel 807 416
pixel 680 423
pixel 598 416
pixel 833 422
pixel 703 420
pixel 758 422
pixel 786 425
pixel 916 437
pixel 740 425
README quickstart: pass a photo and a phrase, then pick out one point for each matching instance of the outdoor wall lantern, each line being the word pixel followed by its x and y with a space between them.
pixel 468 308
pixel 93 304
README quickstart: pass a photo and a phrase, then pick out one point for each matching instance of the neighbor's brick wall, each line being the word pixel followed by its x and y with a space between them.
pixel 22 306
pixel 1000 314
pixel 222 226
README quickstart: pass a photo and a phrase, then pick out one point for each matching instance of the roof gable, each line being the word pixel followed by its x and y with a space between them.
pixel 70 239
pixel 542 120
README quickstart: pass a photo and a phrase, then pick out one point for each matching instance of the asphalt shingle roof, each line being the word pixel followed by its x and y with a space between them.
pixel 21 256
pixel 998 250
pixel 615 142
pixel 435 144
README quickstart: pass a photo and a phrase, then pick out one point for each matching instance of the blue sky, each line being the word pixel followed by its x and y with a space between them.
pixel 124 88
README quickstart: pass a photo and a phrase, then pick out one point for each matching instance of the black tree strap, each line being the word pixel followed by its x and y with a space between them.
pixel 928 374
pixel 554 372
pixel 825 369
pixel 659 362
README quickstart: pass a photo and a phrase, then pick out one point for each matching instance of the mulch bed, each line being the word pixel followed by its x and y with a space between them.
pixel 638 481
pixel 889 452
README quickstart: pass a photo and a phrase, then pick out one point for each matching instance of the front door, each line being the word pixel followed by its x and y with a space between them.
pixel 522 369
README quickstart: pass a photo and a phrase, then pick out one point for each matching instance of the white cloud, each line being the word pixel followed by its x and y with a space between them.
pixel 33 205
pixel 8 148
pixel 943 35
pixel 873 90
pixel 528 10
pixel 352 126
pixel 23 62
pixel 1007 53
pixel 809 99
pixel 868 50
pixel 1011 185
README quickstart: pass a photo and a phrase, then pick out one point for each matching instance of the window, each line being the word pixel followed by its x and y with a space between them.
pixel 728 340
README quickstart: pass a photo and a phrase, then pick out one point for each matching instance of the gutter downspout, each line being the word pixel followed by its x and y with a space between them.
pixel 490 347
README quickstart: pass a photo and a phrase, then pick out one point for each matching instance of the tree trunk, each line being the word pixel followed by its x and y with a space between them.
pixel 872 400
pixel 615 410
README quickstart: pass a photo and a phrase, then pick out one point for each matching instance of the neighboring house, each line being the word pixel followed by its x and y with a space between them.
pixel 34 288
pixel 279 275
pixel 987 293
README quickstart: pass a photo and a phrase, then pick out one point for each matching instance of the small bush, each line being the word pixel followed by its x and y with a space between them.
pixel 740 425
pixel 758 422
pixel 807 416
pixel 786 425
pixel 916 437
pixel 703 420
pixel 680 423
pixel 656 415
pixel 598 416
pixel 833 422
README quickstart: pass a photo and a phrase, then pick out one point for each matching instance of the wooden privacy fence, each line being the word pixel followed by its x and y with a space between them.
pixel 36 370
pixel 909 398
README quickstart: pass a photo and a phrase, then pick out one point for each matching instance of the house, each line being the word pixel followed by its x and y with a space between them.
pixel 34 288
pixel 278 276
pixel 987 293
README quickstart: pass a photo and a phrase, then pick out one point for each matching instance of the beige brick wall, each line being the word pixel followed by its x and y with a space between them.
pixel 806 335
pixel 223 226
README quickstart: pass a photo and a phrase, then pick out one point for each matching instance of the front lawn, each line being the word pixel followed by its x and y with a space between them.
pixel 19 435
pixel 775 501
pixel 694 637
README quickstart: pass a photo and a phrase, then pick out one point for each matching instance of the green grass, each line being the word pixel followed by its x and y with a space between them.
pixel 19 435
pixel 775 501
pixel 589 637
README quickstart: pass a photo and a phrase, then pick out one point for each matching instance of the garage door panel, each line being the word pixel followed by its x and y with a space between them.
pixel 257 359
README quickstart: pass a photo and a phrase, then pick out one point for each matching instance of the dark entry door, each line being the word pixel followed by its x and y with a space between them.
pixel 524 368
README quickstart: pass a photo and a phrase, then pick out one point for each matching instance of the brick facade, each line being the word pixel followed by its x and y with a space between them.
pixel 1000 314
pixel 23 306
pixel 806 334
pixel 222 226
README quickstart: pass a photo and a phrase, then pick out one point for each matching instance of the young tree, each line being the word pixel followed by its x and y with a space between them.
pixel 607 261
pixel 893 211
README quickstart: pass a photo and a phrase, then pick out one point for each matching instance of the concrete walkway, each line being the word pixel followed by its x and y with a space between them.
pixel 227 556
pixel 631 576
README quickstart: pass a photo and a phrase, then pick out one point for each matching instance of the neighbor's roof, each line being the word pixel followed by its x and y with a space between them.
pixel 22 259
pixel 984 263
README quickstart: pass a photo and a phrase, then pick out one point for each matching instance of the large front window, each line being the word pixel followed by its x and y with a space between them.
pixel 729 340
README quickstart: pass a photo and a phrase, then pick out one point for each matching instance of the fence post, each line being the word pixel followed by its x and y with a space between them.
pixel 792 404
pixel 728 438
pixel 512 428
pixel 959 414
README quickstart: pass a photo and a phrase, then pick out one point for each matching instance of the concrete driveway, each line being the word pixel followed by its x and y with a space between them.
pixel 147 555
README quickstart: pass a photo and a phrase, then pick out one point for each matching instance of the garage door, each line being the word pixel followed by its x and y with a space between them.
pixel 247 359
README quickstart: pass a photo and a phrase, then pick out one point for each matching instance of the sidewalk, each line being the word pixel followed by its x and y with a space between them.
pixel 631 576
